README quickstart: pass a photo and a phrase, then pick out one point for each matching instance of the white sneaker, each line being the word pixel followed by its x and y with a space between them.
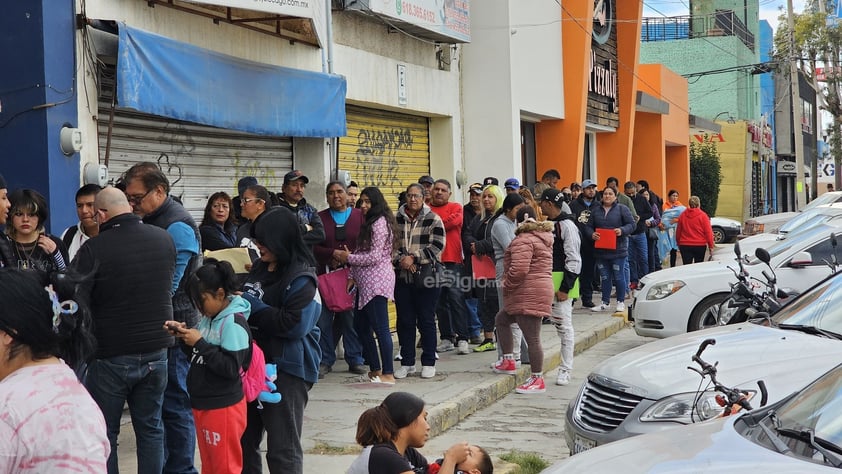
pixel 404 370
pixel 462 347
pixel 563 377
pixel 599 308
pixel 428 371
pixel 445 346
pixel 621 307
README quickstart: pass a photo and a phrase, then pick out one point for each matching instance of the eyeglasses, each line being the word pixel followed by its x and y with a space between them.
pixel 137 199
pixel 248 200
pixel 414 196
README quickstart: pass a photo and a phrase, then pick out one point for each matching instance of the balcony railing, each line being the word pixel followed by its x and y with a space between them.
pixel 720 23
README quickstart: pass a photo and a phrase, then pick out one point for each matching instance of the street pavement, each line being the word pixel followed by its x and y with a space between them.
pixel 463 385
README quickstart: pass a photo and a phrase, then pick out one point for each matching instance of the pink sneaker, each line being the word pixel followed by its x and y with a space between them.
pixel 505 366
pixel 532 385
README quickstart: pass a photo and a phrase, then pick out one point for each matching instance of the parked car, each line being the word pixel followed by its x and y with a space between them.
pixel 649 388
pixel 724 229
pixel 675 300
pixel 828 213
pixel 772 222
pixel 799 434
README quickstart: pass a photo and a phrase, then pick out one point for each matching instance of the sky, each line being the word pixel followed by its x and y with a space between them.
pixel 769 9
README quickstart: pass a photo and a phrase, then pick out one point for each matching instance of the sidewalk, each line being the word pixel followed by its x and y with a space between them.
pixel 463 385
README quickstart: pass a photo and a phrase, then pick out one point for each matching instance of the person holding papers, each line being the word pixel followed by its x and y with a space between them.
pixel 609 227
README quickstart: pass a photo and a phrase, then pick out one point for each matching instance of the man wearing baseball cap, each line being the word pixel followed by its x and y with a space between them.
pixel 567 260
pixel 292 198
pixel 581 209
pixel 469 213
pixel 512 185
pixel 427 182
pixel 489 181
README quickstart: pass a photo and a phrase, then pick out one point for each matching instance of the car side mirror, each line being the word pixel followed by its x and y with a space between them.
pixel 801 259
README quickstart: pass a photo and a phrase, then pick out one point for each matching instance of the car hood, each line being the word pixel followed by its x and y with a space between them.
pixel 700 271
pixel 714 446
pixel 747 246
pixel 786 360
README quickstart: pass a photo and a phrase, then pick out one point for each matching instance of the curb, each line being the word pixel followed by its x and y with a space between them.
pixel 446 415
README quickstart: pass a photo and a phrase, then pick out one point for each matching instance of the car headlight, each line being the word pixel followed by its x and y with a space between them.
pixel 677 408
pixel 661 290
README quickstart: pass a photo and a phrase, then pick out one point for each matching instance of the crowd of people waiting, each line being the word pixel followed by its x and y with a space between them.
pixel 146 323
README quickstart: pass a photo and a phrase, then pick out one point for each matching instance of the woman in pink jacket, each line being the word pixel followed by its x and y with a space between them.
pixel 374 277
pixel 527 295
pixel 693 233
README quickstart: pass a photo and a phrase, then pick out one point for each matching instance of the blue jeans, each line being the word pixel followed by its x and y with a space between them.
pixel 343 323
pixel 638 256
pixel 138 379
pixel 474 326
pixel 451 311
pixel 179 430
pixel 611 271
pixel 416 308
pixel 375 317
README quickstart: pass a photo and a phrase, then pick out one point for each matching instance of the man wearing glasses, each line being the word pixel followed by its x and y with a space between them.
pixel 147 190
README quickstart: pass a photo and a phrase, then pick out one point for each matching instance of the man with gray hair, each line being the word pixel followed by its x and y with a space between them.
pixel 130 267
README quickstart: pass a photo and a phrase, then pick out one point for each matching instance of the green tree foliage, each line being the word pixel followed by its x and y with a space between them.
pixel 705 174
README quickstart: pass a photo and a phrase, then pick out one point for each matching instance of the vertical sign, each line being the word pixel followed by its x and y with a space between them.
pixel 401 84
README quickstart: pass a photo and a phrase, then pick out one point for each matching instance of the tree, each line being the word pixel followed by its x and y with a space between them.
pixel 705 174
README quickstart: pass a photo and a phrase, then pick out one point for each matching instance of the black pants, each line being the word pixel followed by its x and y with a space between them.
pixel 692 253
pixel 586 278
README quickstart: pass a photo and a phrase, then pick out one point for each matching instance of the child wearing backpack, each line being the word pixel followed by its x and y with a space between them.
pixel 218 347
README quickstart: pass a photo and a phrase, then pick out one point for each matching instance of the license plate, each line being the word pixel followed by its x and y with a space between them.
pixel 582 444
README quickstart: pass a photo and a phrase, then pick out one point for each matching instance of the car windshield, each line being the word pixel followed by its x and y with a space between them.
pixel 816 409
pixel 803 221
pixel 820 308
pixel 826 198
pixel 795 240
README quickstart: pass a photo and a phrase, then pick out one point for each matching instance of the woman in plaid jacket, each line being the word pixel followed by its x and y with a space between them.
pixel 421 240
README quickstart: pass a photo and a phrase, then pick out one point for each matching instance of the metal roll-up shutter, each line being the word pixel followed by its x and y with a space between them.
pixel 198 160
pixel 389 150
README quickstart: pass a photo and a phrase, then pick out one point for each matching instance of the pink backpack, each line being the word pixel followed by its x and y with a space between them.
pixel 253 373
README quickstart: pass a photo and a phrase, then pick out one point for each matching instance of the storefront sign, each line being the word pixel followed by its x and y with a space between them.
pixel 786 168
pixel 603 80
pixel 449 18
pixel 709 138
pixel 295 8
pixel 754 130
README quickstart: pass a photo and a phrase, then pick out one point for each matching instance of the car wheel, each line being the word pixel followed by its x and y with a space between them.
pixel 706 313
pixel 718 235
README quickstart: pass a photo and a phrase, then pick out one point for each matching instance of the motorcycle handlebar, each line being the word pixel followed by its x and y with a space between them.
pixel 704 345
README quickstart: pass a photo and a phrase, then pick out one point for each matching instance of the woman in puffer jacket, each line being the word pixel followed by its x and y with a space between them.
pixel 527 295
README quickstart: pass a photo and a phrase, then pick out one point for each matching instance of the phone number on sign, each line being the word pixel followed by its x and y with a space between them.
pixel 422 13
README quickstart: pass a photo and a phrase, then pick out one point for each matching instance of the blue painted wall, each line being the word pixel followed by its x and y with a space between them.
pixel 38 96
pixel 767 83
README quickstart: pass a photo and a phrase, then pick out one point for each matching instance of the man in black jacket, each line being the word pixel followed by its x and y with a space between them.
pixel 147 189
pixel 292 198
pixel 129 268
pixel 581 208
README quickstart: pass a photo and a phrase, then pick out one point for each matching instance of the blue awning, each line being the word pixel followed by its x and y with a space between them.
pixel 161 76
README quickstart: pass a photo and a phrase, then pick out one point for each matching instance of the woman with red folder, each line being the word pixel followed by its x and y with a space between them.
pixel 609 226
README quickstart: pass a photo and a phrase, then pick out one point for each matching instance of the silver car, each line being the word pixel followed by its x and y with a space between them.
pixel 799 434
pixel 649 388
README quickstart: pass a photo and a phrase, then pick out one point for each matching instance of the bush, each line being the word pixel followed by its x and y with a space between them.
pixel 705 175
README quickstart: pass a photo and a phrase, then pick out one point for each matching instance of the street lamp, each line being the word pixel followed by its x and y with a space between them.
pixel 730 119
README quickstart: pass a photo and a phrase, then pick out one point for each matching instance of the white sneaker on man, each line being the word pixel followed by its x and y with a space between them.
pixel 462 347
pixel 404 370
pixel 600 307
pixel 445 346
pixel 621 307
pixel 563 377
pixel 428 371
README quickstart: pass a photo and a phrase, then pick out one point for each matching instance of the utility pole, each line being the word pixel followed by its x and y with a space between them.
pixel 795 96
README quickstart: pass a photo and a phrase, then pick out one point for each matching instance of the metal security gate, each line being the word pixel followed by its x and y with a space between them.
pixel 385 149
pixel 198 160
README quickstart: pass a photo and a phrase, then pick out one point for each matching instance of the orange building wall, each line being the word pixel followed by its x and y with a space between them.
pixel 560 144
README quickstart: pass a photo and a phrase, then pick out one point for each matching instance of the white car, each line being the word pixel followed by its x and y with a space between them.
pixel 649 388
pixel 771 222
pixel 796 435
pixel 828 213
pixel 724 229
pixel 675 300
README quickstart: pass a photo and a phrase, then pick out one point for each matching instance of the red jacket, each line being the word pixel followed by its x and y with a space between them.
pixel 694 228
pixel 451 217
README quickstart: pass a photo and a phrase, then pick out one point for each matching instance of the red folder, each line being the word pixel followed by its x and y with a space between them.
pixel 607 239
pixel 483 268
